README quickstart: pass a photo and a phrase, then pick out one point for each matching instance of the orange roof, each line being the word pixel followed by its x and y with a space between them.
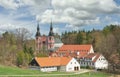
pixel 82 48
pixel 52 61
pixel 71 50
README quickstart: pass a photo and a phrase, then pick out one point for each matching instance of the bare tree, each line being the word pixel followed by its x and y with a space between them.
pixel 22 35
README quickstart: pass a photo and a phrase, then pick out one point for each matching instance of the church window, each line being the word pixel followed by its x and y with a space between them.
pixel 50 38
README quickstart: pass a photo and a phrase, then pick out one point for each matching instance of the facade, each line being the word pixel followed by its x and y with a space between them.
pixel 47 42
pixel 46 64
pixel 94 60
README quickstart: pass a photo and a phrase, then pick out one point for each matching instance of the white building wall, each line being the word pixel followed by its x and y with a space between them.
pixel 101 63
pixel 72 64
pixel 47 69
pixel 58 45
pixel 34 67
pixel 62 68
pixel 91 50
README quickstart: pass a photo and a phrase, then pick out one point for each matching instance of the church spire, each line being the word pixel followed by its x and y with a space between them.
pixel 51 30
pixel 38 31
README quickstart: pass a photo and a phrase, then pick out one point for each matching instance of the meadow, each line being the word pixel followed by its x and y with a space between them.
pixel 18 72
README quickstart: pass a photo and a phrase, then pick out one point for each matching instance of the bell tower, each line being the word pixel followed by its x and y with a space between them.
pixel 38 39
pixel 51 38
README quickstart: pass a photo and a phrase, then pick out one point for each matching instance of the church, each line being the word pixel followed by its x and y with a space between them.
pixel 47 42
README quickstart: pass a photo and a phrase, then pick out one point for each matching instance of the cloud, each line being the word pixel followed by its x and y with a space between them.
pixel 94 6
pixel 56 30
pixel 72 13
pixel 9 23
pixel 115 23
pixel 9 4
pixel 108 18
pixel 36 6
pixel 78 12
pixel 71 27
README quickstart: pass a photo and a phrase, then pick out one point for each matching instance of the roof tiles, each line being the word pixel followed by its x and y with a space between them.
pixel 52 61
pixel 84 48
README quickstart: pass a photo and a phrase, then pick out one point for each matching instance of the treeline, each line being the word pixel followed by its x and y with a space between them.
pixel 106 41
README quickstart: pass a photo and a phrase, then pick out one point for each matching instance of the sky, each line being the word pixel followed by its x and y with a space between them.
pixel 66 15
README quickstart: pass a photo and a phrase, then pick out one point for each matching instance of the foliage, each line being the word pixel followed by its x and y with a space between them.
pixel 15 49
pixel 20 58
pixel 79 38
pixel 25 56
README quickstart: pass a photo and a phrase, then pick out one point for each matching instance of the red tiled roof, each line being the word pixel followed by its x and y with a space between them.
pixel 82 48
pixel 52 61
pixel 71 50
pixel 91 55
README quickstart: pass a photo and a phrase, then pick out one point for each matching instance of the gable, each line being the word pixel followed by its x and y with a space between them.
pixel 33 63
pixel 73 62
pixel 101 58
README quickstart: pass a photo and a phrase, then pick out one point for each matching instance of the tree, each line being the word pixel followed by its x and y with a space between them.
pixel 79 38
pixel 22 35
pixel 20 58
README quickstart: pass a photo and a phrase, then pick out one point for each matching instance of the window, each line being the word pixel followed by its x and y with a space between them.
pixel 71 62
pixel 75 62
pixel 49 38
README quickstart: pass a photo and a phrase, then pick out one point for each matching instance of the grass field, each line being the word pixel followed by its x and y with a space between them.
pixel 14 71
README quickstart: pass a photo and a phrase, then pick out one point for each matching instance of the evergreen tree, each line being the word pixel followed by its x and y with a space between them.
pixel 79 38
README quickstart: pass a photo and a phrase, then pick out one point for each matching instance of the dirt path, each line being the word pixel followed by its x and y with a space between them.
pixel 79 72
pixel 115 76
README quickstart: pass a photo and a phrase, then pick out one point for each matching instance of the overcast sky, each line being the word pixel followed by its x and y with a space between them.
pixel 65 14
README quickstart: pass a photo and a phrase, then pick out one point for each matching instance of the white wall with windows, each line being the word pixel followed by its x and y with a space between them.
pixel 101 63
pixel 47 69
pixel 73 65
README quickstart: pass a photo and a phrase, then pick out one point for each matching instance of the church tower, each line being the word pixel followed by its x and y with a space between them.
pixel 51 38
pixel 38 39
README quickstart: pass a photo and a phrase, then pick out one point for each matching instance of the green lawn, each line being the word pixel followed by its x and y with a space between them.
pixel 5 70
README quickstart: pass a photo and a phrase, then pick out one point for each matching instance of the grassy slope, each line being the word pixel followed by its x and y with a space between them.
pixel 5 70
